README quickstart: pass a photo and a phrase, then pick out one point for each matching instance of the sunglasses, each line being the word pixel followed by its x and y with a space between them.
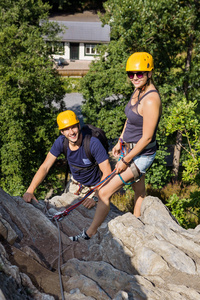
pixel 138 74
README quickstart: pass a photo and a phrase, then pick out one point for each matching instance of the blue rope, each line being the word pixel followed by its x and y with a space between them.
pixel 129 183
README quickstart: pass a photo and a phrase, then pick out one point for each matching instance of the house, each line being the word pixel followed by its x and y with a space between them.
pixel 76 48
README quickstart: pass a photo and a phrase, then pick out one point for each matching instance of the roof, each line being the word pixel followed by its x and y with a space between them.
pixel 85 16
pixel 84 32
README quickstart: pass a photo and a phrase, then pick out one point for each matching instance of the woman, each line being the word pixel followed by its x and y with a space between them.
pixel 143 113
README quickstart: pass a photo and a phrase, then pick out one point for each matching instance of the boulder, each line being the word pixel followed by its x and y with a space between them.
pixel 151 257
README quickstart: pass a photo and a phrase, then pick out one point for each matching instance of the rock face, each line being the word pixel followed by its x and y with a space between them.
pixel 147 258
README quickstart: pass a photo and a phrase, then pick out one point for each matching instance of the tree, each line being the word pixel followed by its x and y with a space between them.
pixel 183 119
pixel 170 31
pixel 29 85
pixel 66 6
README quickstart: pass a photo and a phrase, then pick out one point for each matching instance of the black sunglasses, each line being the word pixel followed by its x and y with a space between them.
pixel 139 74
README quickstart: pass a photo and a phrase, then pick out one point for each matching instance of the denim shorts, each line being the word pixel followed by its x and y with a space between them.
pixel 143 162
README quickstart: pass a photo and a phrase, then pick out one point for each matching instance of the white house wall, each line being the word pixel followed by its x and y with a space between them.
pixel 67 50
pixel 82 55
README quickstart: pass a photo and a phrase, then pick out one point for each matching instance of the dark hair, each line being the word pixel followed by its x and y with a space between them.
pixel 150 80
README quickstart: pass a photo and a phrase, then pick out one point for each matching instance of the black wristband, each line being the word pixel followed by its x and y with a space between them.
pixel 125 162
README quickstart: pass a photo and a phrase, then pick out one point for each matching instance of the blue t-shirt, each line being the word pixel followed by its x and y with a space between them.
pixel 78 159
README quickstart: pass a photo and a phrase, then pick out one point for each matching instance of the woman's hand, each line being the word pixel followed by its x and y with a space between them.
pixel 120 166
pixel 116 150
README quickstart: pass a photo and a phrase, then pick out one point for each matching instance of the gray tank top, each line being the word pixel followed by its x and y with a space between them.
pixel 134 126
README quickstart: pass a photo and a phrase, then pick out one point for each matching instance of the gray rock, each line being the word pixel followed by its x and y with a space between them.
pixel 151 257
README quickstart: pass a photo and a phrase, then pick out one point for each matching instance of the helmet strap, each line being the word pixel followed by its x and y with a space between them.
pixel 143 87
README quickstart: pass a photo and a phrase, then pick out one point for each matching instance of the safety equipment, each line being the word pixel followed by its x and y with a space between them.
pixel 140 61
pixel 61 214
pixel 66 118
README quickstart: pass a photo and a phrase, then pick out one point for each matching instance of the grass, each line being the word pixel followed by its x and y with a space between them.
pixel 123 200
pixel 71 84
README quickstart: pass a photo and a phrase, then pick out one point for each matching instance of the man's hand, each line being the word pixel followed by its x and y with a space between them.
pixel 89 203
pixel 28 197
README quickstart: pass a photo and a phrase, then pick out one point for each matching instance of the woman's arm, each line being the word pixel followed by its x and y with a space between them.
pixel 151 113
pixel 116 148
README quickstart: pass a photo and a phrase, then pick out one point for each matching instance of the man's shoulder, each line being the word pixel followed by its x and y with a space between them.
pixel 97 147
pixel 60 139
pixel 94 141
pixel 57 147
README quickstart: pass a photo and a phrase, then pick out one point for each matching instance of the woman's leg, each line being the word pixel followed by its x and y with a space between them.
pixel 104 196
pixel 140 192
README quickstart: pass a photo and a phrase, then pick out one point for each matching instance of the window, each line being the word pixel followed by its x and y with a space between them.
pixel 56 48
pixel 90 49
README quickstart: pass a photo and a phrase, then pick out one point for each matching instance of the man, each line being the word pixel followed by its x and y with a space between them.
pixel 85 173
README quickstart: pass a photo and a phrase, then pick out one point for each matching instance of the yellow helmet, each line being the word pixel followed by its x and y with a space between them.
pixel 140 61
pixel 66 118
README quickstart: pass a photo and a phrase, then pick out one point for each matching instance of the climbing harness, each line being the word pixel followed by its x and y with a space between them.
pixel 59 216
pixel 79 188
pixel 123 153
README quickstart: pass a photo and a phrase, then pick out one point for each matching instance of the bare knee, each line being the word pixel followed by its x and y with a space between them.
pixel 103 196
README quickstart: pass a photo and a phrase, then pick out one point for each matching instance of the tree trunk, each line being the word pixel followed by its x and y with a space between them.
pixel 177 154
pixel 177 148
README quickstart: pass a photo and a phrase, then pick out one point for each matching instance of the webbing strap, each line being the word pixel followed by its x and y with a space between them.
pixel 149 146
pixel 135 171
pixel 136 174
pixel 129 183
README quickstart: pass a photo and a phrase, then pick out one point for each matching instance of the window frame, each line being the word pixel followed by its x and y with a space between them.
pixel 56 48
pixel 90 46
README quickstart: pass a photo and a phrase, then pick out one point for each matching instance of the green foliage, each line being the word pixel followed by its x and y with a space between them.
pixel 186 211
pixel 104 92
pixel 183 118
pixel 71 85
pixel 66 6
pixel 184 202
pixel 170 31
pixel 124 201
pixel 29 85
pixel 158 174
pixel 54 183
